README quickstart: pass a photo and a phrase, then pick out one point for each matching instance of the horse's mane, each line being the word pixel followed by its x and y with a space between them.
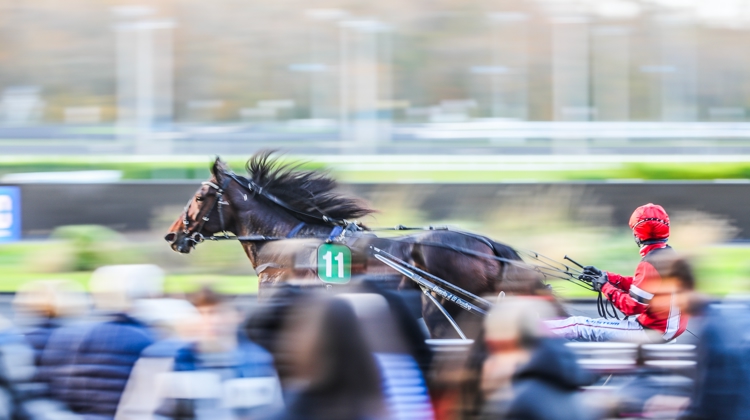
pixel 311 192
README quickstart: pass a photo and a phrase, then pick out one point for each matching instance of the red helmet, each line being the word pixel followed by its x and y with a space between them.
pixel 649 222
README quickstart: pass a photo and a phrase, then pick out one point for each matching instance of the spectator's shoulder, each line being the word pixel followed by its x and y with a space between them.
pixel 70 334
pixel 118 336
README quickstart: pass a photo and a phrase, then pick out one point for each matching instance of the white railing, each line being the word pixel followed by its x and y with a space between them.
pixel 607 357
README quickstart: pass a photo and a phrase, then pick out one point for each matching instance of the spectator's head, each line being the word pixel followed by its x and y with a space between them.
pixel 515 323
pixel 115 288
pixel 166 316
pixel 511 330
pixel 50 299
pixel 676 287
pixel 650 224
pixel 215 327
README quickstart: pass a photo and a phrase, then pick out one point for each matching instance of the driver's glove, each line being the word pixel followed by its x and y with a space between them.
pixel 595 276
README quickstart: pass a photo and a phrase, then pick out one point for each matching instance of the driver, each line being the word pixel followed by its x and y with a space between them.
pixel 658 317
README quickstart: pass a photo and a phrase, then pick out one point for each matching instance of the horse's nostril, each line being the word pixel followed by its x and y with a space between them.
pixel 170 237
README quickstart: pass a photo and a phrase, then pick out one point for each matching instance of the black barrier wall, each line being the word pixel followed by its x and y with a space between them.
pixel 134 206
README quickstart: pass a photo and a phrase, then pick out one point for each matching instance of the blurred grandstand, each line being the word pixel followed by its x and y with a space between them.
pixel 542 76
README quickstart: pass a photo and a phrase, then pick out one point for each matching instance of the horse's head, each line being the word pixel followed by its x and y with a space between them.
pixel 208 211
pixel 274 199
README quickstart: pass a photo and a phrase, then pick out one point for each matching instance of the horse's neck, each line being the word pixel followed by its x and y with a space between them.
pixel 282 228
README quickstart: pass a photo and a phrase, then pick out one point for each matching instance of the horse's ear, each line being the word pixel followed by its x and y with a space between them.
pixel 217 168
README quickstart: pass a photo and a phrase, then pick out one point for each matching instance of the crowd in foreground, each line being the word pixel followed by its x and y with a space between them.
pixel 127 351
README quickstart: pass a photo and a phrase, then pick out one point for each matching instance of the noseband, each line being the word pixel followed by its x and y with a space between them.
pixel 197 237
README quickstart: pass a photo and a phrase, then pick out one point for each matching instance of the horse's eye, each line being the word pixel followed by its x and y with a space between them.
pixel 198 198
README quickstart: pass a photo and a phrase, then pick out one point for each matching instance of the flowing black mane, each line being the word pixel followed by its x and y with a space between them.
pixel 311 192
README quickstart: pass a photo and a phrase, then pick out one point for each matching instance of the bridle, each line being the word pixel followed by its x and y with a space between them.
pixel 197 237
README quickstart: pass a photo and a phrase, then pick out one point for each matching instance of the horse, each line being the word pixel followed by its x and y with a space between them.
pixel 281 201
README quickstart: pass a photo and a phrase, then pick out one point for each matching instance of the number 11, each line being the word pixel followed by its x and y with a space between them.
pixel 329 264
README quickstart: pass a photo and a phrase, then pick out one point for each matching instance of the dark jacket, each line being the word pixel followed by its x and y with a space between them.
pixel 88 366
pixel 723 380
pixel 548 386
pixel 58 355
pixel 38 336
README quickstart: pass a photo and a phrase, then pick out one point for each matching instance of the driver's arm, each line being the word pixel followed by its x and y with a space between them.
pixel 636 299
pixel 621 282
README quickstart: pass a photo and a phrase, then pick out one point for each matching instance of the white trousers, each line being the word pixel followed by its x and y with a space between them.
pixel 581 328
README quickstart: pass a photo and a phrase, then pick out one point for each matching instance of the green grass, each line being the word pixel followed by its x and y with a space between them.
pixel 724 269
pixel 235 285
pixel 176 283
pixel 469 169
pixel 28 261
pixel 14 278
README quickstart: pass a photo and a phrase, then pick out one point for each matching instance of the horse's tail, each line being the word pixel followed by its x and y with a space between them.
pixel 504 251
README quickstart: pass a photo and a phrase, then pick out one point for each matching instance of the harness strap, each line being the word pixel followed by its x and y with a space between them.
pixel 219 198
pixel 335 232
pixel 296 230
pixel 253 187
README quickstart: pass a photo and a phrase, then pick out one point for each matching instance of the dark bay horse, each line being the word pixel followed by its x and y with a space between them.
pixel 279 200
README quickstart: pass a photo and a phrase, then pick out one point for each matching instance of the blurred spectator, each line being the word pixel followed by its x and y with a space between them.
pixel 405 307
pixel 265 324
pixel 528 375
pixel 388 328
pixel 45 305
pixel 403 385
pixel 331 373
pixel 16 371
pixel 89 366
pixel 211 372
pixel 723 377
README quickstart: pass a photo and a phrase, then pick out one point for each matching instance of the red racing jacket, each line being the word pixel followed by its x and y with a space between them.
pixel 632 295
